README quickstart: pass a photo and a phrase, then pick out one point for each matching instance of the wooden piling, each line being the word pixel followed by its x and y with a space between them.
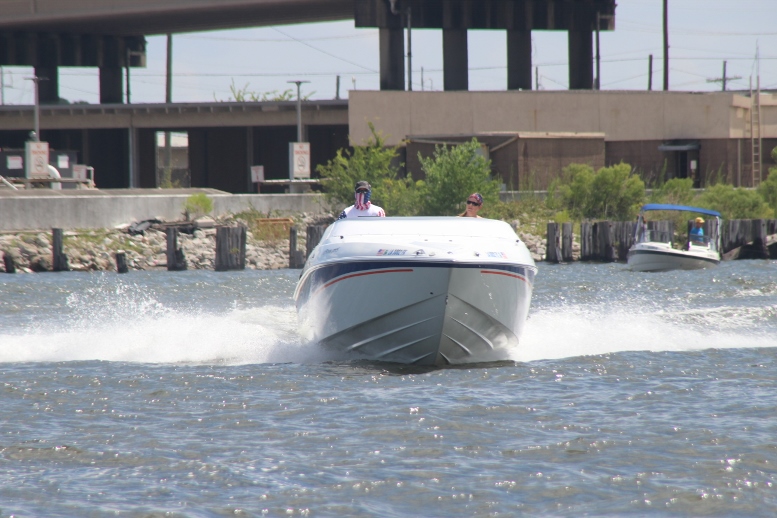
pixel 296 257
pixel 586 241
pixel 567 238
pixel 602 239
pixel 8 262
pixel 59 259
pixel 230 248
pixel 314 234
pixel 553 247
pixel 176 261
pixel 623 233
pixel 121 262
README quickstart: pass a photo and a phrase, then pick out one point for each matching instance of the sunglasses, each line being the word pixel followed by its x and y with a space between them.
pixel 476 204
pixel 362 191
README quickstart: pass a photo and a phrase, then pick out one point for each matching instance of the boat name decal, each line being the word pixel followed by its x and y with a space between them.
pixel 331 250
pixel 384 251
pixel 500 255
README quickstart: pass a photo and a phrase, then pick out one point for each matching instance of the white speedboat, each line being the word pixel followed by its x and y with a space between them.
pixel 653 250
pixel 421 290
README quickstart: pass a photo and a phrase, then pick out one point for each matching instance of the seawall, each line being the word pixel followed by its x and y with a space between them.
pixel 108 208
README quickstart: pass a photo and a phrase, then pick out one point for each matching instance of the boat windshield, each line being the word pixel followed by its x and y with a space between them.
pixel 423 226
pixel 704 241
pixel 657 236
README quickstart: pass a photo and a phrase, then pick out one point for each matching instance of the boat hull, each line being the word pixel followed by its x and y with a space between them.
pixel 423 313
pixel 658 258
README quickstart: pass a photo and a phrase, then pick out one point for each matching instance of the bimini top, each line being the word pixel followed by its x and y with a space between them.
pixel 661 206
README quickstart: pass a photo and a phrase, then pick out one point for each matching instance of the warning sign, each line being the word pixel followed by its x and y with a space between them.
pixel 257 173
pixel 299 160
pixel 37 159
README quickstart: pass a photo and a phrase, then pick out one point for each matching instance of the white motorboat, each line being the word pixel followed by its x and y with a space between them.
pixel 653 250
pixel 420 290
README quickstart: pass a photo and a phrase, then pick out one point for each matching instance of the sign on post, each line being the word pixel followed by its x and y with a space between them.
pixel 257 173
pixel 299 160
pixel 37 159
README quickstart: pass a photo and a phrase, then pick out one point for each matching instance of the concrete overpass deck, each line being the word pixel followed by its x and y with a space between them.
pixel 149 17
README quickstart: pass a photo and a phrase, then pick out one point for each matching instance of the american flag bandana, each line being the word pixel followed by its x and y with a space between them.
pixel 362 200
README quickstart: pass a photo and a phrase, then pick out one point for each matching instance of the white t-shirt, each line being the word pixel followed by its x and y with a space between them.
pixel 372 212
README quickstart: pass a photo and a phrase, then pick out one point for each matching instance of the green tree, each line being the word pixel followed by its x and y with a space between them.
pixel 735 203
pixel 678 191
pixel 377 164
pixel 768 188
pixel 572 191
pixel 612 192
pixel 452 174
pixel 617 193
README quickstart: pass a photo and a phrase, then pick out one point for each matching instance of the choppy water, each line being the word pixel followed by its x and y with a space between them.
pixel 191 394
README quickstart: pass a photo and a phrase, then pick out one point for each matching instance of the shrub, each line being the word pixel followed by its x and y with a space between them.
pixel 612 192
pixel 734 203
pixel 196 205
pixel 768 189
pixel 572 191
pixel 452 174
pixel 677 191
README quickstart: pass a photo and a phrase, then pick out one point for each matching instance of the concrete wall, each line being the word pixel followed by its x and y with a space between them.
pixel 621 116
pixel 44 209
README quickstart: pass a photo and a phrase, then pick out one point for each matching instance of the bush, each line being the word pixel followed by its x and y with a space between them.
pixel 611 193
pixel 677 191
pixel 196 205
pixel 452 174
pixel 768 189
pixel 734 203
pixel 572 191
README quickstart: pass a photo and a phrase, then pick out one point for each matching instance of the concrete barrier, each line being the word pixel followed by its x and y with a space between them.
pixel 45 209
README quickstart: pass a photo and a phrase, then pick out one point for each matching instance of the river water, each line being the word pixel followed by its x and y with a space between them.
pixel 192 394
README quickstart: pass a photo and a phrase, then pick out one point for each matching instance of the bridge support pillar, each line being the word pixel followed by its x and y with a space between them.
pixel 581 55
pixel 455 61
pixel 47 50
pixel 111 74
pixel 519 60
pixel 48 84
pixel 392 60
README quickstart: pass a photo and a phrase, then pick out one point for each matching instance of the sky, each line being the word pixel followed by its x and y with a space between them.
pixel 208 66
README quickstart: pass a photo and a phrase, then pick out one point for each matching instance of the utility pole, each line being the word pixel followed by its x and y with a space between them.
pixel 168 100
pixel 598 59
pixel 650 72
pixel 666 46
pixel 723 79
pixel 409 52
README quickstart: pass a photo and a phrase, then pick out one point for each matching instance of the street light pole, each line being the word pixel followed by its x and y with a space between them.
pixel 299 109
pixel 36 116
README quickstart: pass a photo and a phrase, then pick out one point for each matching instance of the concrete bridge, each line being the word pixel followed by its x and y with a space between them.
pixel 48 34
